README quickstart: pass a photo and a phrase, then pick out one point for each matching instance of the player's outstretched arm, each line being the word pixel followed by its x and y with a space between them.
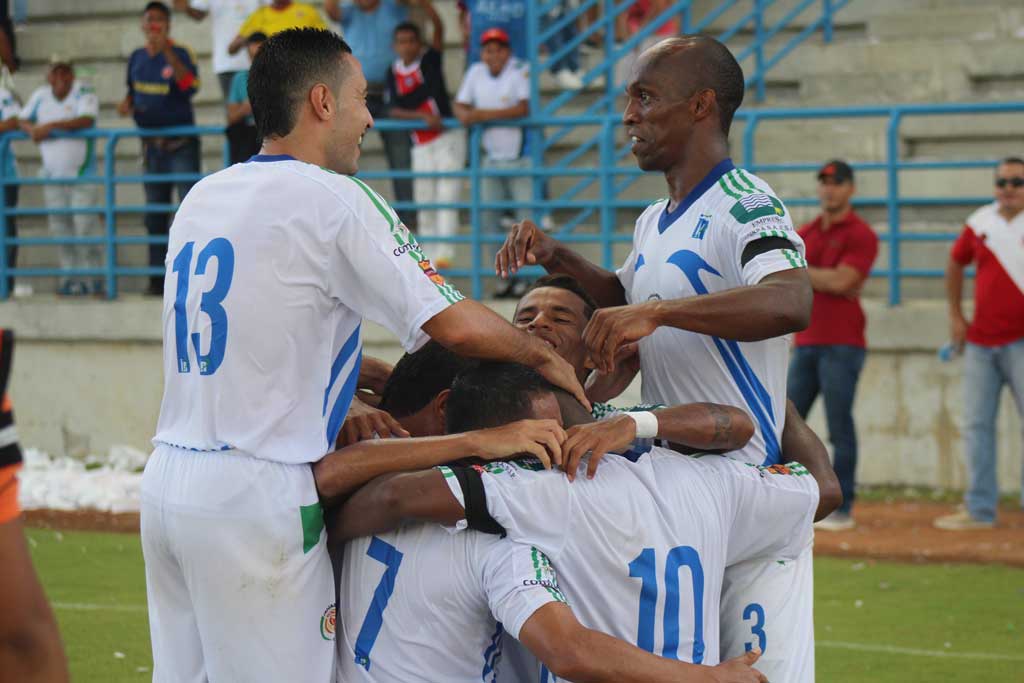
pixel 779 304
pixel 471 329
pixel 340 473
pixel 800 444
pixel 527 244
pixel 574 652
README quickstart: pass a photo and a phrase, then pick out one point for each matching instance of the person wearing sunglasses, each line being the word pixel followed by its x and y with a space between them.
pixel 993 340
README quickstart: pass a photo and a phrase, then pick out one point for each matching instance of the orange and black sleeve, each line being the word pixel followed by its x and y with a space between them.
pixel 10 453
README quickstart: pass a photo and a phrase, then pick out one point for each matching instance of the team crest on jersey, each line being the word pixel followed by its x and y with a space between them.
pixel 329 623
pixel 702 226
pixel 428 269
pixel 753 206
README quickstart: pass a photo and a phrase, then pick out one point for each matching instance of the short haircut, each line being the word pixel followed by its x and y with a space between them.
pixel 159 7
pixel 419 377
pixel 287 66
pixel 1012 160
pixel 569 284
pixel 713 67
pixel 411 28
pixel 493 394
pixel 256 37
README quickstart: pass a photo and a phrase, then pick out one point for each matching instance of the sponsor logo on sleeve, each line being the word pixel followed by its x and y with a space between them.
pixel 750 207
pixel 428 269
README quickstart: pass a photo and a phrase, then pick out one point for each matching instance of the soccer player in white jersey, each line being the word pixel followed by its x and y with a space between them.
pixel 271 267
pixel 715 280
pixel 614 537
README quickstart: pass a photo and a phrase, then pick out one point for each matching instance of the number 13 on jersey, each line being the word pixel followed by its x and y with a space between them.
pixel 210 304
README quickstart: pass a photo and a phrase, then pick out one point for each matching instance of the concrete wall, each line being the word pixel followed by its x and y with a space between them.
pixel 87 376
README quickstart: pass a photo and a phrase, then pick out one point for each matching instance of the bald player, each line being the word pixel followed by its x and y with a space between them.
pixel 715 280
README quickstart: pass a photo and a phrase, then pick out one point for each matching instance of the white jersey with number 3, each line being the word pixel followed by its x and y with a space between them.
pixel 641 548
pixel 271 267
pixel 698 248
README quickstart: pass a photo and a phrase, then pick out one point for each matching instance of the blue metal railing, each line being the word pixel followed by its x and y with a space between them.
pixel 612 173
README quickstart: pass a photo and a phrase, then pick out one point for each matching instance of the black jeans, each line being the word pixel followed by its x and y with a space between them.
pixel 10 202
pixel 166 156
pixel 398 150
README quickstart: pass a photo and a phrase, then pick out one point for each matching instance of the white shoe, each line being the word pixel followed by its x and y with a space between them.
pixel 22 290
pixel 961 521
pixel 569 80
pixel 837 521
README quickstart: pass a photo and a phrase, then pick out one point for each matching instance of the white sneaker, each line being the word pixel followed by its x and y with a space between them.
pixel 837 521
pixel 569 80
pixel 22 290
pixel 961 521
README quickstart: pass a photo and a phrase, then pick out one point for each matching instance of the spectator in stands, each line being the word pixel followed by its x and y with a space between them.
pixel 993 340
pixel 227 17
pixel 478 16
pixel 829 354
pixel 417 91
pixel 66 104
pixel 162 78
pixel 243 142
pixel 639 15
pixel 368 27
pixel 281 15
pixel 9 112
pixel 494 89
pixel 8 47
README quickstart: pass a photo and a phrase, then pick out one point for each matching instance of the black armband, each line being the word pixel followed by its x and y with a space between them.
pixel 475 497
pixel 763 246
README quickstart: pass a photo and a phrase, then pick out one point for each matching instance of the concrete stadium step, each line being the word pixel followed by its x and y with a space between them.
pixel 975 23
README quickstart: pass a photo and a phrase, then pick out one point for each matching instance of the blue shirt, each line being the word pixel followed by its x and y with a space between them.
pixel 157 99
pixel 370 35
pixel 505 14
pixel 239 93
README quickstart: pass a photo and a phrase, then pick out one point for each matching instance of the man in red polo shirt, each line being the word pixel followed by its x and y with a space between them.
pixel 993 341
pixel 829 354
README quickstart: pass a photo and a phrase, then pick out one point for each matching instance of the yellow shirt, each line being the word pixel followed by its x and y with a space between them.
pixel 270 21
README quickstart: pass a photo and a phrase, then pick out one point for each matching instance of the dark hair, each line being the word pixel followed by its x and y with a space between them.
pixel 493 394
pixel 287 66
pixel 569 284
pixel 411 28
pixel 256 37
pixel 713 67
pixel 159 7
pixel 419 377
pixel 1012 160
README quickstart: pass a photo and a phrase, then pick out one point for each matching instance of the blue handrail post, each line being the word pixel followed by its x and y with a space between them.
pixel 826 20
pixel 610 85
pixel 109 166
pixel 893 204
pixel 748 141
pixel 5 150
pixel 607 192
pixel 759 48
pixel 474 211
pixel 684 18
pixel 534 136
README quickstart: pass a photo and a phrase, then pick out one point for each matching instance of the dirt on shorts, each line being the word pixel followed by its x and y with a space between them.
pixel 887 531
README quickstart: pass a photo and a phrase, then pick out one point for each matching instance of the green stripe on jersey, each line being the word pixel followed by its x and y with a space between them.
pixel 725 188
pixel 747 181
pixel 312 517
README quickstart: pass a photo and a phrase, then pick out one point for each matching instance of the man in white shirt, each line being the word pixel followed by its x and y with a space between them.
pixel 272 266
pixel 66 105
pixel 10 109
pixel 227 17
pixel 496 88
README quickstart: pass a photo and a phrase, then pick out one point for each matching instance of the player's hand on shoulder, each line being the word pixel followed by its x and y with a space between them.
pixel 526 244
pixel 363 421
pixel 540 438
pixel 596 438
pixel 603 387
pixel 739 670
pixel 612 328
pixel 374 374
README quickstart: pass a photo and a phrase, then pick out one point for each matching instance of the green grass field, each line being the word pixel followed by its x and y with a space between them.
pixel 876 621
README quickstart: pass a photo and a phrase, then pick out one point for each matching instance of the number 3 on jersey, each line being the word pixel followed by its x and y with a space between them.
pixel 209 304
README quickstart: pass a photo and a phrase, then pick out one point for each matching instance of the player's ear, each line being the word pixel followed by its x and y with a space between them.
pixel 440 407
pixel 322 100
pixel 703 104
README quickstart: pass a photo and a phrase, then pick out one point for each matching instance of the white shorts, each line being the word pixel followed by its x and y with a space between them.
pixel 238 580
pixel 770 605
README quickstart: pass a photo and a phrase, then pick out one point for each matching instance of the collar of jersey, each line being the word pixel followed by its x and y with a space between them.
pixel 667 217
pixel 271 157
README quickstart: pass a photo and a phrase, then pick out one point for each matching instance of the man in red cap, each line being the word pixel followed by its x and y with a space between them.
pixel 498 87
pixel 829 354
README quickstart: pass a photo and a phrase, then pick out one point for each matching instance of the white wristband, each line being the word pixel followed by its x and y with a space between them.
pixel 646 424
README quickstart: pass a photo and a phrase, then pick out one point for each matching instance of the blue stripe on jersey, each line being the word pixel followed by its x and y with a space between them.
pixel 750 386
pixel 667 217
pixel 637 448
pixel 639 262
pixel 342 403
pixel 271 157
pixel 492 655
pixel 346 352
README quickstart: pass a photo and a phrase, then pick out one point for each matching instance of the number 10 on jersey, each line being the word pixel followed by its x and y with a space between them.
pixel 210 303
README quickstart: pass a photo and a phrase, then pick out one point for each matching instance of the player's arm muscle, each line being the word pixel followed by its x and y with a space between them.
pixel 779 304
pixel 576 653
pixel 705 426
pixel 800 444
pixel 386 502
